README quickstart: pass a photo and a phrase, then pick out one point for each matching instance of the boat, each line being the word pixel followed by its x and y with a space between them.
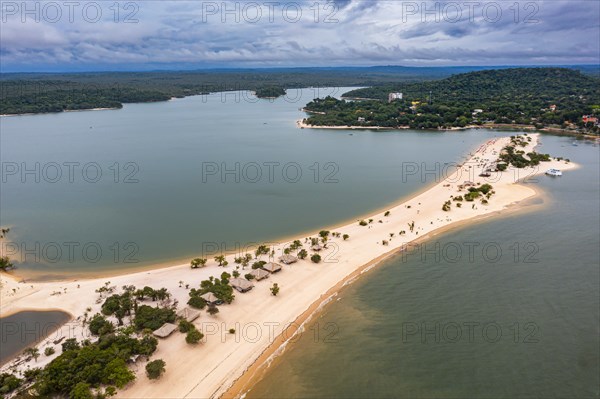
pixel 553 172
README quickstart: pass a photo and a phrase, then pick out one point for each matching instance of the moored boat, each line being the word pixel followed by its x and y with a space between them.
pixel 553 172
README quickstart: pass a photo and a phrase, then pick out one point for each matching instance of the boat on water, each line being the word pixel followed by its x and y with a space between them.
pixel 553 172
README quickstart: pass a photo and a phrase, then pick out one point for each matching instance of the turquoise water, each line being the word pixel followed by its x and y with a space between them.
pixel 104 191
pixel 403 331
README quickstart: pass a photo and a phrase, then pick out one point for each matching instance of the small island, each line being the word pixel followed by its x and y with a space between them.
pixel 270 92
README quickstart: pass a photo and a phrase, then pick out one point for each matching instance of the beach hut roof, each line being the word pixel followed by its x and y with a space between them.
pixel 316 247
pixel 259 274
pixel 287 259
pixel 188 313
pixel 241 284
pixel 166 330
pixel 209 297
pixel 272 267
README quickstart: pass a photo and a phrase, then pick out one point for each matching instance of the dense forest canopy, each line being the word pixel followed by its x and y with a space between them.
pixel 37 92
pixel 270 92
pixel 525 96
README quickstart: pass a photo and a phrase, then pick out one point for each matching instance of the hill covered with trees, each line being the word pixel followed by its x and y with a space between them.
pixel 43 92
pixel 39 93
pixel 525 96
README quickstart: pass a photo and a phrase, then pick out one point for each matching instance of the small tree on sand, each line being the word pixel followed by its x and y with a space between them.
pixel 33 352
pixel 212 310
pixel 193 336
pixel 155 369
pixel 275 289
pixel 197 262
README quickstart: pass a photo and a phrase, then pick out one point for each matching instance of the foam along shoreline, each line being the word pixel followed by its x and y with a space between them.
pixel 264 323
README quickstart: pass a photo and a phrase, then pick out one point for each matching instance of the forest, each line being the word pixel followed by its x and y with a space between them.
pixel 22 93
pixel 270 92
pixel 538 97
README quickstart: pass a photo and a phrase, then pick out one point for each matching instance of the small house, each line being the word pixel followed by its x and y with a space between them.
pixel 288 259
pixel 165 330
pixel 211 298
pixel 189 314
pixel 240 284
pixel 259 274
pixel 272 267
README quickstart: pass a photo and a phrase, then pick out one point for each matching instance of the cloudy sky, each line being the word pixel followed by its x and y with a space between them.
pixel 142 35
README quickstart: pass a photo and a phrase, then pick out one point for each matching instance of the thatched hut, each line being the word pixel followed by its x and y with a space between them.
pixel 288 259
pixel 259 274
pixel 188 313
pixel 210 298
pixel 272 267
pixel 165 330
pixel 240 284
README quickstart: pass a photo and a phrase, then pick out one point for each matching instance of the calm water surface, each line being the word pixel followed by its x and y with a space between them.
pixel 97 191
pixel 23 329
pixel 404 330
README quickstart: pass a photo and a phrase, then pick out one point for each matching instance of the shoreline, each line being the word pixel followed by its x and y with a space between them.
pixel 41 338
pixel 305 285
pixel 64 110
pixel 268 358
pixel 492 126
pixel 184 262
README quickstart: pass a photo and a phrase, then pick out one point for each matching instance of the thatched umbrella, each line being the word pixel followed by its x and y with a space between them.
pixel 272 267
pixel 259 274
pixel 188 313
pixel 288 259
pixel 240 284
pixel 209 297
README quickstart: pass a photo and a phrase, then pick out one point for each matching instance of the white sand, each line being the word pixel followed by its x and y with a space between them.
pixel 209 369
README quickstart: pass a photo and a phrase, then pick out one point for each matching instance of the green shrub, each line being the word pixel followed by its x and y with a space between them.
pixel 152 318
pixel 193 336
pixel 197 302
pixel 185 326
pixel 155 369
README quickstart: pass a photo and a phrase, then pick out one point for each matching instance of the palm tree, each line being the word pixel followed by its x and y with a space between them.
pixel 33 352
pixel 220 259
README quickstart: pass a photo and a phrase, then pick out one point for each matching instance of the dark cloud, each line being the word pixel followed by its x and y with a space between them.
pixel 358 32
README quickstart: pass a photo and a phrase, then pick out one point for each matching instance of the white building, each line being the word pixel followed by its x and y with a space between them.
pixel 394 96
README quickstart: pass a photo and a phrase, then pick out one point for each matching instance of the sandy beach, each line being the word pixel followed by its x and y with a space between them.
pixel 491 126
pixel 302 125
pixel 226 365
